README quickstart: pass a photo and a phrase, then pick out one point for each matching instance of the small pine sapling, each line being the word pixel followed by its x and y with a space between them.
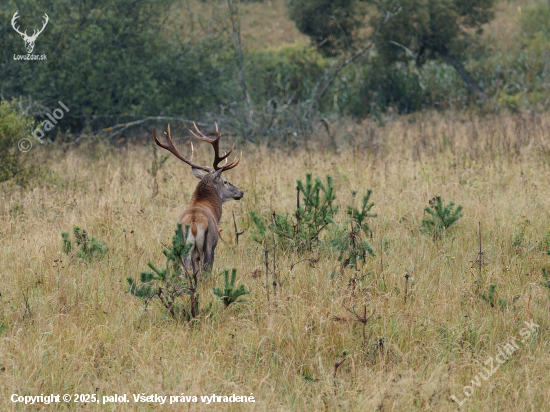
pixel 350 241
pixel 230 294
pixel 440 218
pixel 87 248
pixel 491 298
pixel 67 244
pixel 302 229
pixel 318 209
pixel 170 284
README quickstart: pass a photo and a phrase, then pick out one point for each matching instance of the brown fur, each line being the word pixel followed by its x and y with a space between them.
pixel 204 211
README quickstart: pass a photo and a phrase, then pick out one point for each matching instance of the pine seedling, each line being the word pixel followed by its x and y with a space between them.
pixel 90 247
pixel 360 217
pixel 67 244
pixel 318 209
pixel 300 230
pixel 172 283
pixel 87 248
pixel 440 218
pixel 230 294
pixel 351 240
pixel 491 298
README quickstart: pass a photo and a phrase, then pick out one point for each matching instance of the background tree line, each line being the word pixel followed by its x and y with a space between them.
pixel 117 61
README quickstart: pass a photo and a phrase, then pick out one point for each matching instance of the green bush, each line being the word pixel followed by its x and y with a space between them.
pixel 230 294
pixel 286 73
pixel 87 248
pixel 440 218
pixel 349 239
pixel 110 59
pixel 170 285
pixel 13 128
pixel 331 24
pixel 535 22
pixel 299 231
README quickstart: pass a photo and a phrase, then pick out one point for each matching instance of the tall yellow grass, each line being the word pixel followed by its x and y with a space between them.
pixel 68 326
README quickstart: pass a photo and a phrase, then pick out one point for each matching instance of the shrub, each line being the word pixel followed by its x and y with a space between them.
pixel 171 284
pixel 350 239
pixel 440 218
pixel 534 22
pixel 331 24
pixel 230 294
pixel 121 58
pixel 302 229
pixel 13 128
pixel 88 247
pixel 491 298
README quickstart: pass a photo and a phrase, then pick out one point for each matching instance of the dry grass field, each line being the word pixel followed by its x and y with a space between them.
pixel 69 326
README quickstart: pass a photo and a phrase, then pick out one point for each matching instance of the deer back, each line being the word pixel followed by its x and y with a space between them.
pixel 204 211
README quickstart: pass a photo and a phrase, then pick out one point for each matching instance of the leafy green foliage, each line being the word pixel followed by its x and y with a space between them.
pixel 428 29
pixel 13 127
pixel 440 218
pixel 172 282
pixel 331 24
pixel 534 22
pixel 230 294
pixel 110 59
pixel 302 229
pixel 67 244
pixel 87 248
pixel 351 243
pixel 423 30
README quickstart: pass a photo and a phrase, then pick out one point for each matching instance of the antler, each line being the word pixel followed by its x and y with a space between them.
pixel 34 34
pixel 170 147
pixel 13 19
pixel 216 144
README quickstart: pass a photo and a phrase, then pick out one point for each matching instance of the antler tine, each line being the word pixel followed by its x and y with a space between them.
pixel 215 144
pixel 233 163
pixel 172 149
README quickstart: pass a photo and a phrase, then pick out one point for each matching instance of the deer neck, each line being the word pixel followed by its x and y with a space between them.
pixel 206 194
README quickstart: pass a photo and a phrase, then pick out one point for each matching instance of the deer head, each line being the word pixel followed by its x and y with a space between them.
pixel 212 175
pixel 29 40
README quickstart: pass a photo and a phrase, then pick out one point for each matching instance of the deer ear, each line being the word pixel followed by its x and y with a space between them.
pixel 199 174
pixel 217 173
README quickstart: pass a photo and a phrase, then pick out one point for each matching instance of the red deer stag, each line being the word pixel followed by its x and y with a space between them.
pixel 205 209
